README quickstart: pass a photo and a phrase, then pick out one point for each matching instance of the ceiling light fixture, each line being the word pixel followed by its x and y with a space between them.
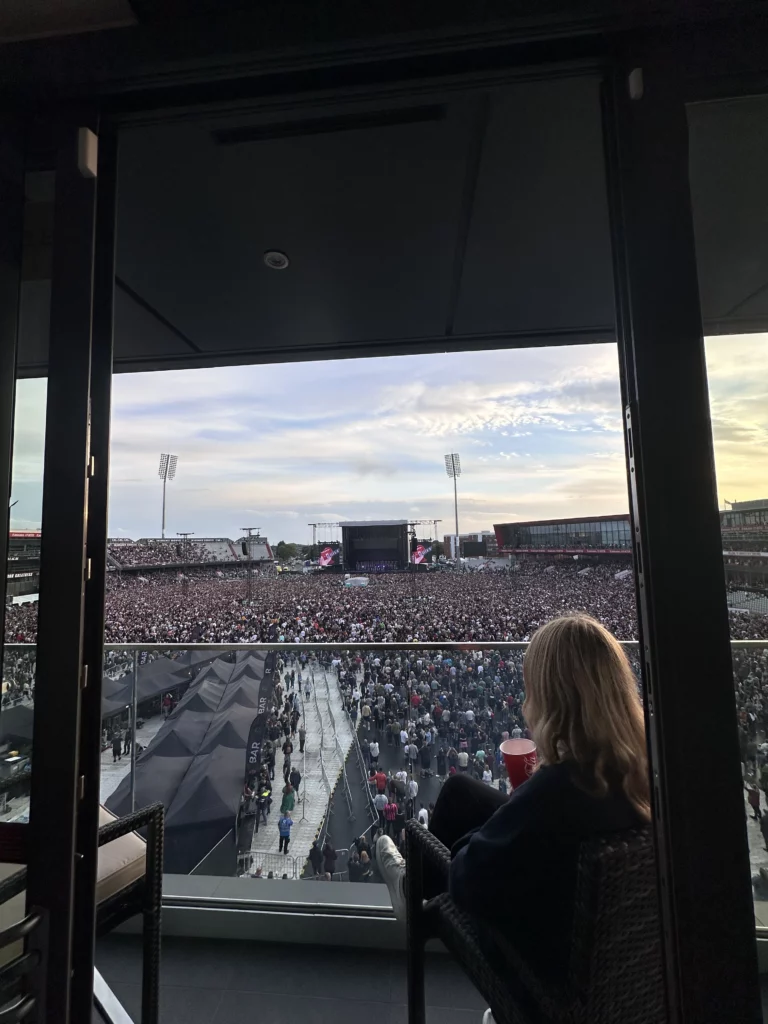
pixel 275 259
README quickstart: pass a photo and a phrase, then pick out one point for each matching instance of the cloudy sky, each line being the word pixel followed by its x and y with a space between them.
pixel 538 431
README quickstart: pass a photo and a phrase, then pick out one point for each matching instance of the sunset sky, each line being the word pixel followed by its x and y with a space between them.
pixel 538 431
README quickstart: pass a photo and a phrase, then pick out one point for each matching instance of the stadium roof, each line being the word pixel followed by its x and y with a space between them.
pixel 622 516
pixel 376 522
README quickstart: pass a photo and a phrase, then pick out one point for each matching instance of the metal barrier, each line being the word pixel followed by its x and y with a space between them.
pixel 339 750
pixel 279 864
pixel 363 774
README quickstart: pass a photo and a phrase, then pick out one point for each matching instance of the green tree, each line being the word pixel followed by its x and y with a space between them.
pixel 437 548
pixel 285 552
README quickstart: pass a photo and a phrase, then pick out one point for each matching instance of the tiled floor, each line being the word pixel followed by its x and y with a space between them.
pixel 211 982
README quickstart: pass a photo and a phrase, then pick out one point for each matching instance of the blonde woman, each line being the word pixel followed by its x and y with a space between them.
pixel 514 860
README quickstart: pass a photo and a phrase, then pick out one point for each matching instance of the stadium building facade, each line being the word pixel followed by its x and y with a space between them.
pixel 592 536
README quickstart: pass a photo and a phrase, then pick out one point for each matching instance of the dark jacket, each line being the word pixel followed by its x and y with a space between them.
pixel 518 872
pixel 329 858
pixel 315 857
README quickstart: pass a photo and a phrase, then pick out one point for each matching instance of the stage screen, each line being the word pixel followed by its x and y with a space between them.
pixel 330 554
pixel 473 548
pixel 422 553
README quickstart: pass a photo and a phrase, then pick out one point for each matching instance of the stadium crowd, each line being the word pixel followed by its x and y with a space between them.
pixel 204 605
pixel 160 552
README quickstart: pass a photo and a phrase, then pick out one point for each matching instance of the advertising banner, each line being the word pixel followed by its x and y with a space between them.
pixel 258 728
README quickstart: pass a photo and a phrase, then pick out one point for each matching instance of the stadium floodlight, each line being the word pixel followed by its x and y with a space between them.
pixel 166 472
pixel 453 469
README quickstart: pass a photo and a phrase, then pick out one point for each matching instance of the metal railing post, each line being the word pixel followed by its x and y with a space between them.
pixel 134 703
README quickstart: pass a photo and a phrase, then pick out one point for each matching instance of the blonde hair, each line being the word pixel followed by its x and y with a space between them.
pixel 582 705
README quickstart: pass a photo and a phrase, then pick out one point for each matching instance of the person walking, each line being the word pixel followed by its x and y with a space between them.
pixel 753 796
pixel 302 738
pixel 413 791
pixel 289 799
pixel 380 802
pixel 316 859
pixel 295 780
pixel 366 716
pixel 127 741
pixel 329 858
pixel 117 744
pixel 262 802
pixel 284 826
pixel 374 752
pixel 390 814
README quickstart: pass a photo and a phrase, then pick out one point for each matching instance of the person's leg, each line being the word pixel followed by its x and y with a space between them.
pixel 463 803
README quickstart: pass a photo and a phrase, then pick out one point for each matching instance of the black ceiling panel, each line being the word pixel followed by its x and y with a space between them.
pixel 538 253
pixel 728 160
pixel 475 219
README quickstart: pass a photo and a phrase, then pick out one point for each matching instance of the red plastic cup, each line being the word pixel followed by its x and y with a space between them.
pixel 520 759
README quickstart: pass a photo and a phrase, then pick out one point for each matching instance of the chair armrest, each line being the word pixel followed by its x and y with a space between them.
pixel 151 815
pixel 428 847
pixel 13 885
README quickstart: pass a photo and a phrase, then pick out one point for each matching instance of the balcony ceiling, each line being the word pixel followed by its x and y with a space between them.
pixel 473 218
pixel 39 19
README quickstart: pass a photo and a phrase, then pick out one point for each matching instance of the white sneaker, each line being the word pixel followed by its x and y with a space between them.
pixel 392 868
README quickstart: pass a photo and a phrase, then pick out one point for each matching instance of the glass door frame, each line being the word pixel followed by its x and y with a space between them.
pixel 706 903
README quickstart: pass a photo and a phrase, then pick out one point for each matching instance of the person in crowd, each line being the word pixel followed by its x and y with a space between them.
pixel 262 804
pixel 410 803
pixel 373 749
pixel 295 780
pixel 380 802
pixel 423 816
pixel 127 737
pixel 354 867
pixel 366 869
pixel 379 780
pixel 316 858
pixel 117 743
pixel 302 738
pixel 365 714
pixel 515 860
pixel 753 797
pixel 284 826
pixel 329 858
pixel 390 815
pixel 289 799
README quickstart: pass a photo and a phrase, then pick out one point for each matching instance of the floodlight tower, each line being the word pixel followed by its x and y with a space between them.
pixel 166 472
pixel 453 469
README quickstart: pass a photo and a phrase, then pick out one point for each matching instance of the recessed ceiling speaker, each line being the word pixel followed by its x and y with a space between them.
pixel 275 259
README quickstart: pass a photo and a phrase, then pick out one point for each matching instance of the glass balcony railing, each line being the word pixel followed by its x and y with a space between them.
pixel 230 736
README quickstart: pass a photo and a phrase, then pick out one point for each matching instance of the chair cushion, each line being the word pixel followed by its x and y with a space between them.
pixel 121 861
pixel 12 911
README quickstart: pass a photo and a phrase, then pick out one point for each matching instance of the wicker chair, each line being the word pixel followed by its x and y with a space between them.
pixel 130 876
pixel 615 974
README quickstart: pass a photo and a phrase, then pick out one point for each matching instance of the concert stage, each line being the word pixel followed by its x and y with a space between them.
pixel 375 546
